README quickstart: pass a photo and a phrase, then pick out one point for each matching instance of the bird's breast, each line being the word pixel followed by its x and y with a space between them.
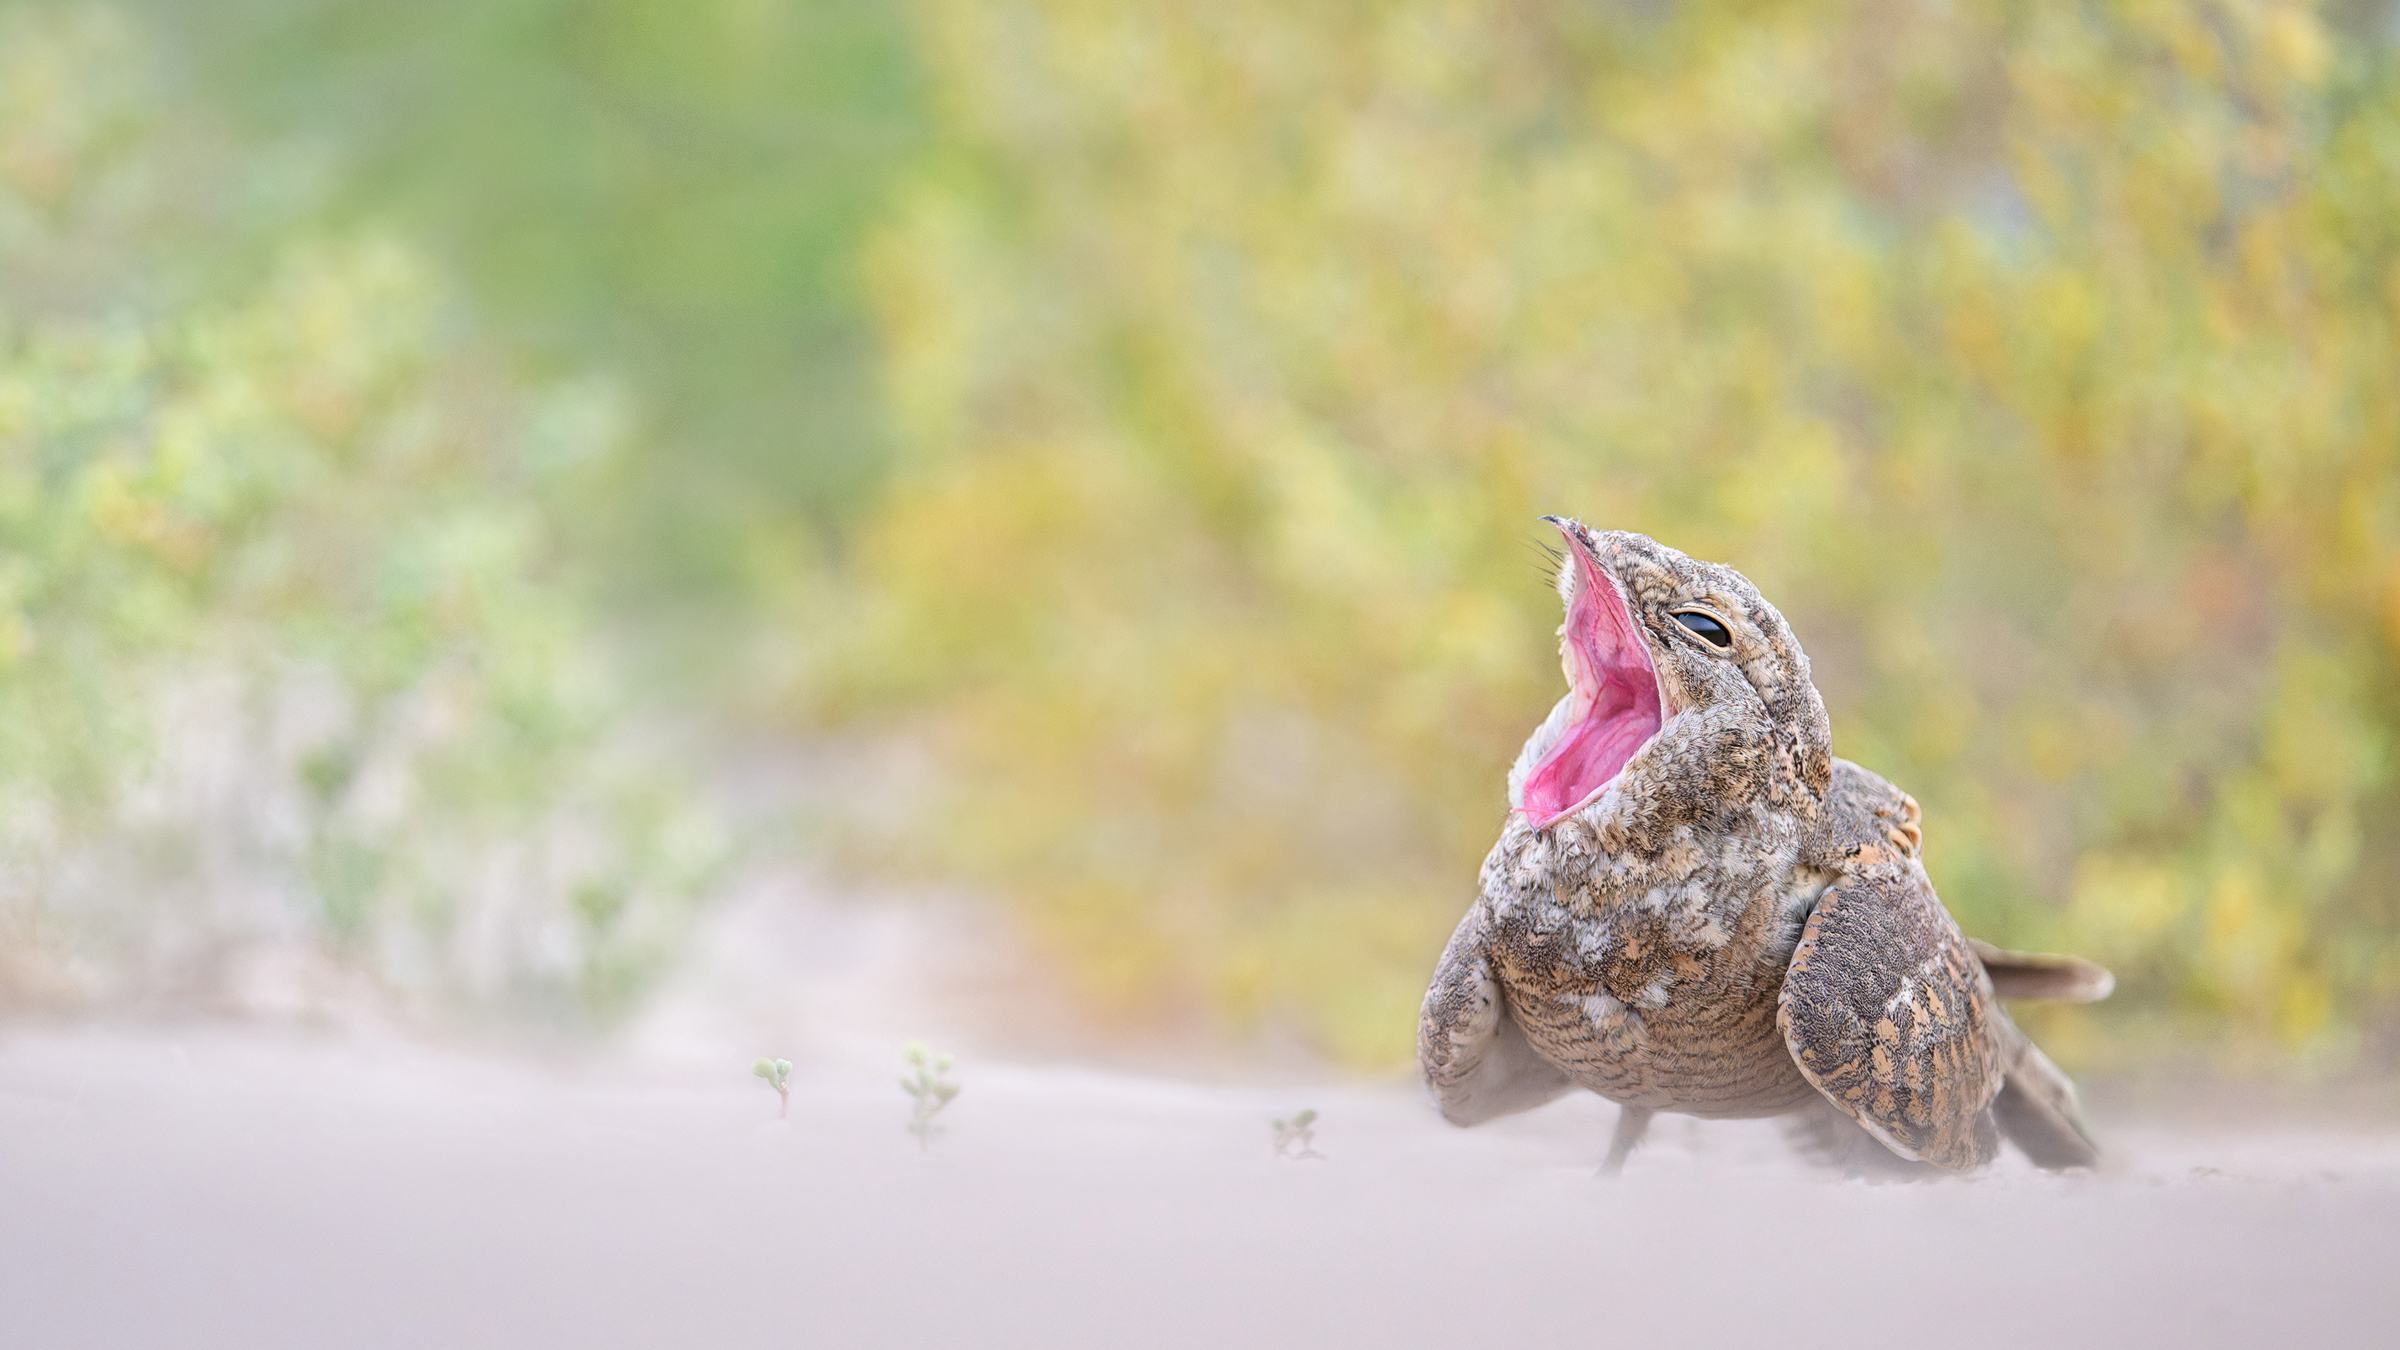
pixel 1663 997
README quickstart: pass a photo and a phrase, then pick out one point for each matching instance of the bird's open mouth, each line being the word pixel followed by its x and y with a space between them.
pixel 1616 706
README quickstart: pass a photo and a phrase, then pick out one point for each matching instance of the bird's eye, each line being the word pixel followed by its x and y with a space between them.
pixel 1707 626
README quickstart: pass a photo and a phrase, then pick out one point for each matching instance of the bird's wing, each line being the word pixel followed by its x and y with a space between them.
pixel 1890 1015
pixel 1474 1056
pixel 2036 1107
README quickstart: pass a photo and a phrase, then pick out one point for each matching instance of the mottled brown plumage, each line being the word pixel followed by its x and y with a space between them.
pixel 1695 907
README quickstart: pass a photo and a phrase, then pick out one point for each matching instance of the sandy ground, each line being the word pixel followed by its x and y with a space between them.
pixel 250 1189
pixel 241 1185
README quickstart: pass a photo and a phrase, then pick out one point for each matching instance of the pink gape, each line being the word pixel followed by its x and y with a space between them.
pixel 1616 707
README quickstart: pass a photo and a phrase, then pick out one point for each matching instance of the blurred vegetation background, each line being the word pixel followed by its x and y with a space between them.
pixel 1118 428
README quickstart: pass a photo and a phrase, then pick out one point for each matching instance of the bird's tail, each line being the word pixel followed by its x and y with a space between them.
pixel 2059 979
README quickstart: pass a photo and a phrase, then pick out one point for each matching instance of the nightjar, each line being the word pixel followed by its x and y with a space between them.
pixel 1694 907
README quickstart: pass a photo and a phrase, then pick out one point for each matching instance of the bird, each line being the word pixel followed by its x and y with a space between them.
pixel 1695 907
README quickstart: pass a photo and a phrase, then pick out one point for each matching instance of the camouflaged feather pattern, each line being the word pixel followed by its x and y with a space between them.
pixel 1737 923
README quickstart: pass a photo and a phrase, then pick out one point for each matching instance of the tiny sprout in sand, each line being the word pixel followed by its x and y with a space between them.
pixel 1296 1138
pixel 929 1084
pixel 778 1073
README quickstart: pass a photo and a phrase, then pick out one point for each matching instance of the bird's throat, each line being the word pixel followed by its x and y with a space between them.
pixel 1616 707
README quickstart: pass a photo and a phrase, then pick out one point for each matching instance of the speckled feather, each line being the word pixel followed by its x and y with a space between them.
pixel 1737 925
pixel 1914 1060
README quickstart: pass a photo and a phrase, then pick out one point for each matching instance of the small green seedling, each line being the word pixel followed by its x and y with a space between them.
pixel 778 1073
pixel 931 1088
pixel 1299 1133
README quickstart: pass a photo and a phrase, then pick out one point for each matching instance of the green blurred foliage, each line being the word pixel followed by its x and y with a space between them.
pixel 1138 415
pixel 669 190
pixel 286 642
pixel 2037 359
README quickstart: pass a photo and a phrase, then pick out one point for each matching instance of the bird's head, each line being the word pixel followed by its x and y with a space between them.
pixel 1685 688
